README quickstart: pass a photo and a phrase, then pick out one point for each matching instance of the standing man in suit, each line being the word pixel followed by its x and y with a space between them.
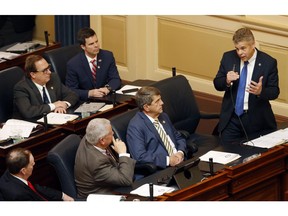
pixel 96 170
pixel 31 101
pixel 253 112
pixel 93 72
pixel 14 184
pixel 144 141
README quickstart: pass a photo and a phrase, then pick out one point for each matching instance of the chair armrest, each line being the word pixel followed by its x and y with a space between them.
pixel 204 115
pixel 145 168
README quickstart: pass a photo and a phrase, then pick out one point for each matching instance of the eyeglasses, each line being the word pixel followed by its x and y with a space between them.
pixel 46 70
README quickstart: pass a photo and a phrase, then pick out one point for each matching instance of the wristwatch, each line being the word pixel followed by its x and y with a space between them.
pixel 108 87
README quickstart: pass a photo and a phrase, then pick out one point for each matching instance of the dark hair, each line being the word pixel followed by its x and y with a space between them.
pixel 17 159
pixel 243 34
pixel 30 64
pixel 145 96
pixel 85 33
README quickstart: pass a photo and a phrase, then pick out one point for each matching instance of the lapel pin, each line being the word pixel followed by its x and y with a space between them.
pixel 163 122
pixel 259 64
pixel 100 60
pixel 98 66
pixel 52 87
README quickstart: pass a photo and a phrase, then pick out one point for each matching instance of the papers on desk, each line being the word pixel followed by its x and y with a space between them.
pixel 219 157
pixel 58 118
pixel 16 128
pixel 7 55
pixel 106 107
pixel 89 107
pixel 100 198
pixel 158 190
pixel 128 90
pixel 22 47
pixel 270 140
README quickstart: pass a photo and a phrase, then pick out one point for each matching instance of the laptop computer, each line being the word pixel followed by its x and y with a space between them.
pixel 186 174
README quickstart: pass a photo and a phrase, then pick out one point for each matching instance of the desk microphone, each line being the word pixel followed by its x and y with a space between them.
pixel 173 71
pixel 151 192
pixel 114 97
pixel 45 121
pixel 46 37
pixel 211 166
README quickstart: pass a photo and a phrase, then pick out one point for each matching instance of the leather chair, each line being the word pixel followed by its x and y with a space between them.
pixel 62 158
pixel 8 78
pixel 59 57
pixel 119 125
pixel 180 105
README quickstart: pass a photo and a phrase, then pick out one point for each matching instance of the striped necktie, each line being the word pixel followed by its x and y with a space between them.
pixel 94 66
pixel 163 137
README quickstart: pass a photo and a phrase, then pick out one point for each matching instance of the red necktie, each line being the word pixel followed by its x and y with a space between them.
pixel 94 66
pixel 32 188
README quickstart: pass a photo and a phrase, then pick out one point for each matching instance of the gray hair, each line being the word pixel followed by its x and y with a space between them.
pixel 96 129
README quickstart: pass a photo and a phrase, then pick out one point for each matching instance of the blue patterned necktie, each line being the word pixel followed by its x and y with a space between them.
pixel 239 106
pixel 45 97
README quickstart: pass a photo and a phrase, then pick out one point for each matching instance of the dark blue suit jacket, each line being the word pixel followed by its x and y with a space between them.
pixel 260 113
pixel 13 189
pixel 79 77
pixel 144 142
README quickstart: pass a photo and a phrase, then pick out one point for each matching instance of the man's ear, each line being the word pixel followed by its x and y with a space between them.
pixel 146 107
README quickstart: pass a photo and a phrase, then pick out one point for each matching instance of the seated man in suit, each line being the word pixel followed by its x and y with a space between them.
pixel 14 184
pixel 145 143
pixel 96 170
pixel 93 72
pixel 41 91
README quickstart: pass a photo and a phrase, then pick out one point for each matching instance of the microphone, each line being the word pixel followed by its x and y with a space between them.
pixel 233 103
pixel 114 97
pixel 45 121
pixel 46 37
pixel 233 69
pixel 173 71
pixel 151 191
pixel 211 166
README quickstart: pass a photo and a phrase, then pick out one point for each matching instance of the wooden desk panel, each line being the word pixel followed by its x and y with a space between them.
pixel 212 189
pixel 39 145
pixel 249 181
pixel 79 126
pixel 20 61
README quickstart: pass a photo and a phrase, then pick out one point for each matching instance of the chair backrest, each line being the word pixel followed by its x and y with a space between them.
pixel 59 57
pixel 62 158
pixel 8 78
pixel 120 123
pixel 179 102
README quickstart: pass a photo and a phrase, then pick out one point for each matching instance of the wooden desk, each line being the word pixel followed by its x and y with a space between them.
pixel 285 181
pixel 39 145
pixel 20 61
pixel 214 188
pixel 259 179
pixel 79 126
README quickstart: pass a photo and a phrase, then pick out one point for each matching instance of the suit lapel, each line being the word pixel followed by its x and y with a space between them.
pixel 87 69
pixel 35 90
pixel 258 70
